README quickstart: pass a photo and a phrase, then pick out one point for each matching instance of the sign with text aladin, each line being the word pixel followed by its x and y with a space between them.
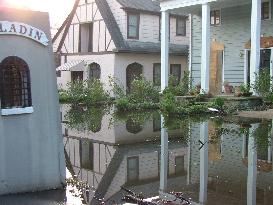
pixel 21 29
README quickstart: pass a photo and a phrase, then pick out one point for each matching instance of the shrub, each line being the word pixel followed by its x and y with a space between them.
pixel 167 103
pixel 117 89
pixel 75 91
pixel 143 95
pixel 94 92
pixel 143 91
pixel 262 82
pixel 87 92
pixel 179 88
pixel 218 103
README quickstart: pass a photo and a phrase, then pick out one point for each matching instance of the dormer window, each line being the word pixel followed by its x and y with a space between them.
pixel 180 26
pixel 133 25
pixel 266 10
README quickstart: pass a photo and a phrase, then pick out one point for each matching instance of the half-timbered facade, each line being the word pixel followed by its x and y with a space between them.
pixel 118 38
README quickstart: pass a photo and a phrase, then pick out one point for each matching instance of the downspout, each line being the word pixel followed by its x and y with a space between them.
pixel 190 52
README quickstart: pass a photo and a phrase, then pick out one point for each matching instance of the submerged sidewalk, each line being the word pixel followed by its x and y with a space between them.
pixel 53 197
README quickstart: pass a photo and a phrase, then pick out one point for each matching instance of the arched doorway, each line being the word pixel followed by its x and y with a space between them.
pixel 94 71
pixel 133 71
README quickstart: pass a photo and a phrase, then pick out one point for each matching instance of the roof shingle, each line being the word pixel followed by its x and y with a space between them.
pixel 144 5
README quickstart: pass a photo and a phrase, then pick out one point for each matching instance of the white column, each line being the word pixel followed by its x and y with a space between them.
pixel 189 158
pixel 252 167
pixel 255 39
pixel 204 155
pixel 164 157
pixel 244 146
pixel 269 149
pixel 205 55
pixel 271 66
pixel 245 66
pixel 164 49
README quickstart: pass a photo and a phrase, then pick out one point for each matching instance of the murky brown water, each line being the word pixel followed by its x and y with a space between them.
pixel 209 160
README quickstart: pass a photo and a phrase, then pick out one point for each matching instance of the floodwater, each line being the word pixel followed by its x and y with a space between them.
pixel 144 156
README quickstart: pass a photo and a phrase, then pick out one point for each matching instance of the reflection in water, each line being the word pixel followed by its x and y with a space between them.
pixel 83 118
pixel 234 166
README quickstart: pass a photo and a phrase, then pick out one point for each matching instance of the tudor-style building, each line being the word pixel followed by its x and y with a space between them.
pixel 118 38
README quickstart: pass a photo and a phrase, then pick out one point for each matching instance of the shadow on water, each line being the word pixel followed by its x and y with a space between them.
pixel 220 160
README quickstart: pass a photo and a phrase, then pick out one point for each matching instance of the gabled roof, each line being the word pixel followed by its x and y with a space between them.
pixel 121 44
pixel 150 47
pixel 111 24
pixel 144 5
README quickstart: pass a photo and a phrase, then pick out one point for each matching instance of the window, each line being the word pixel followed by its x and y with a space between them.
pixel 157 74
pixel 133 127
pixel 180 26
pixel 133 71
pixel 215 17
pixel 175 71
pixel 160 29
pixel 132 169
pixel 86 155
pixel 179 165
pixel 156 122
pixel 76 75
pixel 94 71
pixel 133 25
pixel 266 10
pixel 86 37
pixel 59 73
pixel 15 87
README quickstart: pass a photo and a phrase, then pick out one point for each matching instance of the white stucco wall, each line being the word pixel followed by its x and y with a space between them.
pixel 116 64
pixel 31 148
pixel 106 62
pixel 147 61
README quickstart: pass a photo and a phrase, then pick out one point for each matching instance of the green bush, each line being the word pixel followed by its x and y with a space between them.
pixel 87 92
pixel 262 82
pixel 179 88
pixel 75 91
pixel 143 95
pixel 167 103
pixel 117 88
pixel 218 103
pixel 143 91
pixel 94 92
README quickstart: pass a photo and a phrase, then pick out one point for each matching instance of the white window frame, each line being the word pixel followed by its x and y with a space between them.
pixel 246 63
pixel 17 111
pixel 220 10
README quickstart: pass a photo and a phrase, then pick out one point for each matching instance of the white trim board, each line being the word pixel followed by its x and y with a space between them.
pixel 17 111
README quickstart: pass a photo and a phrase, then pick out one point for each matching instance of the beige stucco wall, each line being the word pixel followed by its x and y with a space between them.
pixel 31 148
